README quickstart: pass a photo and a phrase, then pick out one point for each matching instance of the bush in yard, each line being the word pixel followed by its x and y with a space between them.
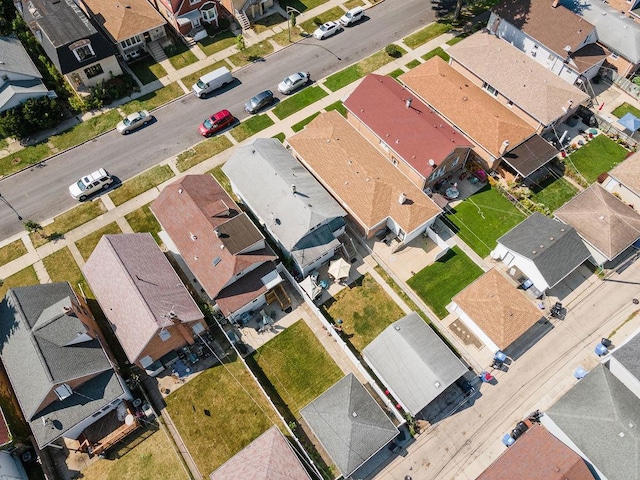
pixel 33 115
pixel 110 90
pixel 393 51
pixel 316 21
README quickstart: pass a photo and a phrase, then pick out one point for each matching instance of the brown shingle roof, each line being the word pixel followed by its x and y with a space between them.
pixel 137 288
pixel 532 87
pixel 601 219
pixel 628 173
pixel 587 57
pixel 125 18
pixel 498 308
pixel 190 210
pixel 474 111
pixel 416 133
pixel 538 455
pixel 366 183
pixel 240 293
pixel 554 28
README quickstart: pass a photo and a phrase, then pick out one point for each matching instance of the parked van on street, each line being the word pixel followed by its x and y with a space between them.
pixel 212 81
pixel 352 16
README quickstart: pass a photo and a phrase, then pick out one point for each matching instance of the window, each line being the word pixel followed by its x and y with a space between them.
pixel 509 103
pixel 63 391
pixel 93 71
pixel 394 161
pixel 384 146
pixel 164 335
pixel 130 42
pixel 209 12
pixel 83 53
pixel 490 89
pixel 198 328
pixel 194 2
pixel 613 56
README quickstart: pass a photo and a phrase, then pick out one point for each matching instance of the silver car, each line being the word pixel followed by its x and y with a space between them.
pixel 293 82
pixel 134 121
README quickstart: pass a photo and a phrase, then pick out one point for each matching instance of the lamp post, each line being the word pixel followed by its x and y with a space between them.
pixel 290 12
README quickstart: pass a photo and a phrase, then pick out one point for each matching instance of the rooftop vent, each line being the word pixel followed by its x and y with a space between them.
pixel 293 189
pixel 193 237
pixel 180 191
pixel 354 414
pixel 504 146
pixel 402 198
pixel 408 102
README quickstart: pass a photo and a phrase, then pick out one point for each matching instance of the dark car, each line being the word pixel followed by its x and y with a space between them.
pixel 215 123
pixel 260 101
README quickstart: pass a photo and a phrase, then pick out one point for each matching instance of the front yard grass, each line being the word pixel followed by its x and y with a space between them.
pixel 297 366
pixel 190 80
pixel 365 310
pixel 412 64
pixel 143 220
pixel 251 126
pixel 282 38
pixel 396 73
pixel 223 180
pixel 625 108
pixel 438 51
pixel 25 277
pixel 339 106
pixel 484 217
pixel 154 99
pixel 24 158
pixel 180 56
pixel 426 34
pixel 67 221
pixel 87 244
pixel 252 53
pixel 265 23
pixel 439 282
pixel 598 156
pixel 553 192
pixel 148 70
pixel 296 127
pixel 62 267
pixel 353 3
pixel 280 136
pixel 11 251
pixel 300 5
pixel 201 152
pixel 222 40
pixel 220 412
pixel 299 101
pixel 141 183
pixel 330 15
pixel 354 72
pixel 86 130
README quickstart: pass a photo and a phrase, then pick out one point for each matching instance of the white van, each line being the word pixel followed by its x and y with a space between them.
pixel 212 81
pixel 352 16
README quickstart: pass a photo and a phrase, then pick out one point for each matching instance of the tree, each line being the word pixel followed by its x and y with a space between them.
pixel 456 12
pixel 32 226
pixel 292 17
pixel 240 44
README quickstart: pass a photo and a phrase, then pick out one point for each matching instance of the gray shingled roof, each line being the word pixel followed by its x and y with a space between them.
pixel 35 334
pixel 629 356
pixel 15 58
pixel 349 424
pixel 413 362
pixel 602 417
pixel 264 173
pixel 554 247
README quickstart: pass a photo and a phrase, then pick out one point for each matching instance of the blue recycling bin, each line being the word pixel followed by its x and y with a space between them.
pixel 508 440
pixel 500 356
pixel 580 373
pixel 601 350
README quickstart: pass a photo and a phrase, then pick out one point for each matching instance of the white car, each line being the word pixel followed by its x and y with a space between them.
pixel 293 82
pixel 327 29
pixel 90 184
pixel 352 16
pixel 134 121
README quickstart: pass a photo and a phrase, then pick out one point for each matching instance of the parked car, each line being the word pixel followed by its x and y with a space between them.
pixel 134 121
pixel 260 101
pixel 90 184
pixel 352 17
pixel 294 82
pixel 215 123
pixel 326 30
pixel 212 81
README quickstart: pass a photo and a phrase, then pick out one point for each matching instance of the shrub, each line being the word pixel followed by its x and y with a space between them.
pixel 224 23
pixel 393 51
pixel 33 115
pixel 316 21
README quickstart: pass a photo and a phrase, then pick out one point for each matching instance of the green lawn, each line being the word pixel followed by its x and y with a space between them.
pixel 154 99
pixel 365 309
pixel 457 39
pixel 396 73
pixel 288 36
pixel 87 244
pixel 62 267
pixel 300 5
pixel 426 34
pixel 24 158
pixel 218 413
pixel 338 106
pixel 223 180
pixel 190 80
pixel 438 51
pixel 143 220
pixel 280 136
pixel 553 192
pixel 222 40
pixel 439 282
pixel 86 130
pixel 412 64
pixel 300 100
pixel 484 217
pixel 26 276
pixel 11 251
pixel 201 152
pixel 254 52
pixel 265 23
pixel 297 366
pixel 400 292
pixel 251 126
pixel 180 56
pixel 296 127
pixel 354 72
pixel 330 15
pixel 598 156
pixel 67 221
pixel 141 183
pixel 148 70
pixel 353 3
pixel 625 108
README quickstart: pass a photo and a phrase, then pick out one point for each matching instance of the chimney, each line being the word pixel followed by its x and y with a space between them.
pixel 504 146
pixel 217 232
pixel 66 310
pixel 555 3
pixel 293 189
pixel 432 163
pixel 402 198
pixel 408 102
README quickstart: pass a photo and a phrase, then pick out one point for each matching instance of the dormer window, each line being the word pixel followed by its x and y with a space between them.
pixel 63 391
pixel 82 50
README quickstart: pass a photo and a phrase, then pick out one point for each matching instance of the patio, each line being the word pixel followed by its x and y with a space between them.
pixel 462 184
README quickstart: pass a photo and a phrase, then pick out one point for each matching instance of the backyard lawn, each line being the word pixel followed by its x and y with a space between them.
pixel 365 310
pixel 297 365
pixel 220 412
pixel 625 108
pixel 482 218
pixel 439 282
pixel 553 192
pixel 598 156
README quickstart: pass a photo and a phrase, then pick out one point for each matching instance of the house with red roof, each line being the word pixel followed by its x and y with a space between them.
pixel 415 139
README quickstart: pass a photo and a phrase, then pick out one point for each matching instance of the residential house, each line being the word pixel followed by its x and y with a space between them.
pixel 624 363
pixel 225 253
pixel 246 10
pixel 542 250
pixel 130 24
pixel 268 457
pixel 413 362
pixel 516 80
pixel 149 309
pixel 20 80
pixel 377 195
pixel 550 34
pixel 349 424
pixel 538 455
pixel 53 354
pixel 421 144
pixel 500 134
pixel 607 225
pixel 619 34
pixel 187 16
pixel 79 51
pixel 496 312
pixel 598 419
pixel 292 206
pixel 624 180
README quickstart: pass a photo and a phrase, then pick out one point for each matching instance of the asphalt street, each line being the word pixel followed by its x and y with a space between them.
pixel 41 192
